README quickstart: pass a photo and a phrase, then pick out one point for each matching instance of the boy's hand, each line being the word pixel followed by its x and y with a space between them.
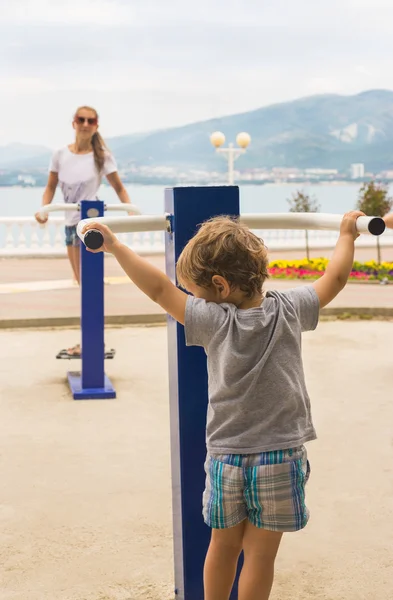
pixel 348 223
pixel 110 240
pixel 389 220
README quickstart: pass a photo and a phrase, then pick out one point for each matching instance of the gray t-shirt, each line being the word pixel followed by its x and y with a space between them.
pixel 257 393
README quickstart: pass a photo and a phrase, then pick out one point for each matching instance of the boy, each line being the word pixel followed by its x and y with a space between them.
pixel 389 220
pixel 259 411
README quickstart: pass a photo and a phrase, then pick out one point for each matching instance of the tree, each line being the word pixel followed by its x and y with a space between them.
pixel 303 203
pixel 374 201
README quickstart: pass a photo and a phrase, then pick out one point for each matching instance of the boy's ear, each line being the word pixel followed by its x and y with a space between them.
pixel 221 285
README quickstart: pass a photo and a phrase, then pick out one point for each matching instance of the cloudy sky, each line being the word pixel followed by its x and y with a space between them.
pixel 147 64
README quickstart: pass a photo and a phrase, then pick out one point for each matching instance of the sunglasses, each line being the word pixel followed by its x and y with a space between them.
pixel 90 120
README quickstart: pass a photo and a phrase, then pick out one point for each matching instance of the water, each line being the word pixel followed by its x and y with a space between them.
pixel 18 202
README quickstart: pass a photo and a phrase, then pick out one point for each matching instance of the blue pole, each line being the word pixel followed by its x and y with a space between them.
pixel 92 382
pixel 189 396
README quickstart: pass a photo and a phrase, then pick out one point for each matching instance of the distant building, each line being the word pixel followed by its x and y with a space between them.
pixel 26 180
pixel 321 172
pixel 357 171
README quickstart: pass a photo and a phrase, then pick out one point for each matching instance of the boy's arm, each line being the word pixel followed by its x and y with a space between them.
pixel 152 281
pixel 340 266
pixel 389 220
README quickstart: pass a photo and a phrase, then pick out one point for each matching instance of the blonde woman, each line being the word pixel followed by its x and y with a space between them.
pixel 78 168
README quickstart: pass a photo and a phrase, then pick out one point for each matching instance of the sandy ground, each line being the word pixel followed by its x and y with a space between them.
pixel 85 495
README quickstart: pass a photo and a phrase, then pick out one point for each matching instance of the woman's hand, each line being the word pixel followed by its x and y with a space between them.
pixel 41 218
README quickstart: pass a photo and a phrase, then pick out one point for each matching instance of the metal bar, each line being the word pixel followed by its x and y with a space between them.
pixel 91 383
pixel 72 207
pixel 188 397
pixel 92 313
pixel 313 221
pixel 373 225
pixel 127 224
pixel 126 207
pixel 58 207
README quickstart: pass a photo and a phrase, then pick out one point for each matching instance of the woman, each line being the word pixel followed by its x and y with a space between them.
pixel 79 168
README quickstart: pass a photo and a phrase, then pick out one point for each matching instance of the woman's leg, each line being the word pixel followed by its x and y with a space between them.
pixel 73 256
pixel 73 252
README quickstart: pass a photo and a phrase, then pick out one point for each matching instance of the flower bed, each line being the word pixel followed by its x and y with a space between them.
pixel 314 268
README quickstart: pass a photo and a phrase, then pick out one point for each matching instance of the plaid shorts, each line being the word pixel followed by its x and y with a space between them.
pixel 71 237
pixel 267 488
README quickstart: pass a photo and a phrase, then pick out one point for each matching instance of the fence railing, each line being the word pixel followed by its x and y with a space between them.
pixel 24 237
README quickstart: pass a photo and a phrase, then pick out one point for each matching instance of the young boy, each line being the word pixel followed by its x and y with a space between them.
pixel 389 220
pixel 259 411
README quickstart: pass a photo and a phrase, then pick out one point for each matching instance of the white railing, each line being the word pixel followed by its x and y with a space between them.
pixel 24 237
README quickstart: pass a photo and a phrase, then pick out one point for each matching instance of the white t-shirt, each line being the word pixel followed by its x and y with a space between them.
pixel 78 177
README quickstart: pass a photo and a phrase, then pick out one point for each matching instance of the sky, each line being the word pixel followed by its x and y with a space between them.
pixel 152 64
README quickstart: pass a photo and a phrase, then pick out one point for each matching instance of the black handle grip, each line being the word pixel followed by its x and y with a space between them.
pixel 93 239
pixel 377 226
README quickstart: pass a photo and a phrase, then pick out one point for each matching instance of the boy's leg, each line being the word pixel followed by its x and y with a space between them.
pixel 221 561
pixel 275 494
pixel 260 550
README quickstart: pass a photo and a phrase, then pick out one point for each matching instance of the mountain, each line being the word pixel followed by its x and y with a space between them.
pixel 328 131
pixel 24 156
pixel 325 131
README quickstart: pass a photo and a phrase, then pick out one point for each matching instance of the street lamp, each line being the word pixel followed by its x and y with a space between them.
pixel 231 154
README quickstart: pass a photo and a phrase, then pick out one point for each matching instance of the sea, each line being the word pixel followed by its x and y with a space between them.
pixel 332 198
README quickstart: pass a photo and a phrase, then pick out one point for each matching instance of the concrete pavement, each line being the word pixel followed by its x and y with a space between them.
pixel 85 506
pixel 38 292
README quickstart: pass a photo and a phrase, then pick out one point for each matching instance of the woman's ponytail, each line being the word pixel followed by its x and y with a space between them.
pixel 99 147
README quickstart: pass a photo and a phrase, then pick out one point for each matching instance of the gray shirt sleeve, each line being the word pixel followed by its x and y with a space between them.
pixel 306 304
pixel 202 319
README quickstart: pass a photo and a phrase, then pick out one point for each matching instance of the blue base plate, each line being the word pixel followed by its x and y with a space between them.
pixel 79 393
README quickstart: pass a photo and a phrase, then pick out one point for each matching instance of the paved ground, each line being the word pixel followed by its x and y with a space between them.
pixel 35 289
pixel 85 501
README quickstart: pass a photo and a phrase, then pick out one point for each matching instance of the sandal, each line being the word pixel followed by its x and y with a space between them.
pixel 76 352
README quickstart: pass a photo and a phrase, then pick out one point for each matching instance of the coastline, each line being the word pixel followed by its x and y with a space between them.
pixel 240 183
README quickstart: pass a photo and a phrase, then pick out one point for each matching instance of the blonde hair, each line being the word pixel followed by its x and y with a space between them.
pixel 223 246
pixel 97 141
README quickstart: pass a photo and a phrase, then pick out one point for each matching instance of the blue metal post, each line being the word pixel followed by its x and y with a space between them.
pixel 92 383
pixel 189 396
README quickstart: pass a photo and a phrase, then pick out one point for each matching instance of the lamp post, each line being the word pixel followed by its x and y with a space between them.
pixel 231 153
